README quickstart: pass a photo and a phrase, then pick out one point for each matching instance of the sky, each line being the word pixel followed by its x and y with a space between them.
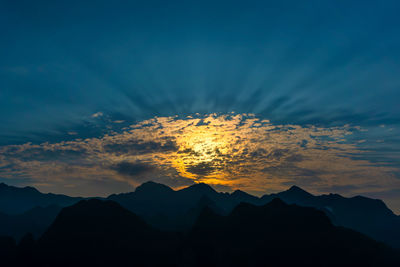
pixel 97 97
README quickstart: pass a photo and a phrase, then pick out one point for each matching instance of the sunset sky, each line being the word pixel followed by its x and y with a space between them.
pixel 98 98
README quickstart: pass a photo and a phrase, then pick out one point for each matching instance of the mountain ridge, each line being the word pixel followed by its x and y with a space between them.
pixel 98 232
pixel 169 209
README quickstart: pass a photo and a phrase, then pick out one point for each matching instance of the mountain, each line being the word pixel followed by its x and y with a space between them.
pixel 240 196
pixel 8 250
pixel 278 234
pixel 34 221
pixel 26 210
pixel 369 216
pixel 102 233
pixel 165 208
pixel 16 200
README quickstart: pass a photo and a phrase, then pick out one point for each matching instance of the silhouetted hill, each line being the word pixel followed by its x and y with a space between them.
pixel 295 193
pixel 102 233
pixel 8 251
pixel 369 216
pixel 240 196
pixel 16 200
pixel 278 234
pixel 165 208
pixel 33 221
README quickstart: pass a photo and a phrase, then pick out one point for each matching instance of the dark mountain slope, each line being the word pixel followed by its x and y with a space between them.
pixel 8 251
pixel 278 234
pixel 165 208
pixel 102 233
pixel 16 200
pixel 369 216
pixel 33 221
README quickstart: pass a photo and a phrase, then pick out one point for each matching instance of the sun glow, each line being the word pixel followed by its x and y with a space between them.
pixel 201 151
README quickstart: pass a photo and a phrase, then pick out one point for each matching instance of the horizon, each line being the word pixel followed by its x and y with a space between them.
pixel 201 183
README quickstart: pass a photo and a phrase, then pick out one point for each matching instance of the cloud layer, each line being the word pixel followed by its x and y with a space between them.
pixel 228 151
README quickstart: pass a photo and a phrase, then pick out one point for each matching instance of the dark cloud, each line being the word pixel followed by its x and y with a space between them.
pixel 277 154
pixel 261 152
pixel 189 151
pixel 43 153
pixel 201 169
pixel 137 147
pixel 295 158
pixel 133 169
pixel 202 122
pixel 297 175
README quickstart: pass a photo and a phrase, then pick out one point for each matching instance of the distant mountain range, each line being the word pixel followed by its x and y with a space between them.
pixel 16 200
pixel 25 210
pixel 278 234
pixel 165 208
pixel 103 233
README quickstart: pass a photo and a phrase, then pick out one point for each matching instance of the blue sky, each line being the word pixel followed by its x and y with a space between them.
pixel 321 63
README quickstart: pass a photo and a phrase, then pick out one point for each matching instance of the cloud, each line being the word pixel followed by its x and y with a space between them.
pixel 97 114
pixel 201 169
pixel 225 150
pixel 133 169
pixel 341 189
pixel 137 147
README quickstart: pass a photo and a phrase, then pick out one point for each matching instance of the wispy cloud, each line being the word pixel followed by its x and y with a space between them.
pixel 97 114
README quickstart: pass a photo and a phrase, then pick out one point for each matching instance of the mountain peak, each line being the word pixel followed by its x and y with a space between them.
pixel 295 188
pixel 201 187
pixel 241 194
pixel 31 189
pixel 298 191
pixel 238 192
pixel 152 187
pixel 19 189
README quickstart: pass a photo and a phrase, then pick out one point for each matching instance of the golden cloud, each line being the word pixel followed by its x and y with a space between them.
pixel 228 150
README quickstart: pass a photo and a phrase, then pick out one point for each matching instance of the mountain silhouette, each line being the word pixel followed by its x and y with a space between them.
pixel 34 221
pixel 369 216
pixel 240 196
pixel 278 234
pixel 165 208
pixel 102 233
pixel 177 210
pixel 16 200
pixel 168 209
pixel 8 251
